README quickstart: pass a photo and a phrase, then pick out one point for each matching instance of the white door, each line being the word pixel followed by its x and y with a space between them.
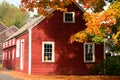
pixel 22 55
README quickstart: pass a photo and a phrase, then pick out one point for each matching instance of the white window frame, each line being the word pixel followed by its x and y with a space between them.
pixel 53 52
pixel 93 51
pixel 3 45
pixel 6 44
pixel 18 48
pixel 22 54
pixel 73 16
pixel 3 56
pixel 13 41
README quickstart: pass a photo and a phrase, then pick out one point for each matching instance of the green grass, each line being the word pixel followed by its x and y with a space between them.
pixel 1 65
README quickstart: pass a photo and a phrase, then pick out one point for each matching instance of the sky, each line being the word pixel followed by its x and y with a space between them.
pixel 14 2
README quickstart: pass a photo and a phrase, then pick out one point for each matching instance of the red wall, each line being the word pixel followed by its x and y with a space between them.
pixel 14 64
pixel 25 57
pixel 69 58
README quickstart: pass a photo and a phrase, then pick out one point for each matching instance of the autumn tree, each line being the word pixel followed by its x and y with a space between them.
pixel 40 5
pixel 11 15
pixel 100 23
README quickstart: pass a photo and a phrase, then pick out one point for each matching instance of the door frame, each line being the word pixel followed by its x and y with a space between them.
pixel 22 55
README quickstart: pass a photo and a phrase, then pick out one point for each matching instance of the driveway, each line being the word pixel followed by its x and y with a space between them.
pixel 7 77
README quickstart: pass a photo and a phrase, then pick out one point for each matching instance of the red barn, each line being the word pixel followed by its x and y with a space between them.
pixel 41 46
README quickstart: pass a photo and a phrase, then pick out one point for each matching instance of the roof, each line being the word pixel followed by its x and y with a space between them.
pixel 12 27
pixel 2 27
pixel 30 24
pixel 36 21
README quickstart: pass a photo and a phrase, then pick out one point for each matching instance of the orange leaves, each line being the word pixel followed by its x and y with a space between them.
pixel 79 37
pixel 109 17
pixel 41 5
pixel 96 21
pixel 93 23
pixel 98 24
pixel 88 3
pixel 24 1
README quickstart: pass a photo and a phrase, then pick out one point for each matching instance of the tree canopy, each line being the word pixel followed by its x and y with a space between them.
pixel 100 23
pixel 11 15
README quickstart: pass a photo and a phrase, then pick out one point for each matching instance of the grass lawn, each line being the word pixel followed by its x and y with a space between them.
pixel 1 65
pixel 57 77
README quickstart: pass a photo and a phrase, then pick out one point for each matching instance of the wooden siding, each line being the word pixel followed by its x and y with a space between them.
pixel 11 63
pixel 69 58
pixel 25 57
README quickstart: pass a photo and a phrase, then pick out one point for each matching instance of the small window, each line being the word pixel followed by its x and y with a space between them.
pixel 69 17
pixel 3 45
pixel 47 51
pixel 3 56
pixel 13 41
pixel 89 53
pixel 6 44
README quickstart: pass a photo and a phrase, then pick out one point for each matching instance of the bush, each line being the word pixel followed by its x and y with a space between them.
pixel 111 66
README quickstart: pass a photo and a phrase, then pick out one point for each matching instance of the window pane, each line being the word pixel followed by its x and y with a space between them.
pixel 68 17
pixel 89 57
pixel 89 52
pixel 47 52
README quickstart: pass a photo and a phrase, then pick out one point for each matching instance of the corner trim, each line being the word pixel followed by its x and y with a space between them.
pixel 30 51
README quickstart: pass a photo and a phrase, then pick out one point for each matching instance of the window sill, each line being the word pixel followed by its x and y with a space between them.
pixel 48 61
pixel 89 61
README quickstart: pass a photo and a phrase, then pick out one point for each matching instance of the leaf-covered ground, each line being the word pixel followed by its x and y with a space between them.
pixel 22 76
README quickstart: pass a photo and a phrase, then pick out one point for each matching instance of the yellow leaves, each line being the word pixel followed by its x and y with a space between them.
pixel 42 4
pixel 93 23
pixel 62 9
pixel 97 24
pixel 86 16
pixel 79 37
pixel 116 37
pixel 116 7
pixel 96 21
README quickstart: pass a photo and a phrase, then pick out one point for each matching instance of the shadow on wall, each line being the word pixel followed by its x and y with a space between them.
pixel 69 60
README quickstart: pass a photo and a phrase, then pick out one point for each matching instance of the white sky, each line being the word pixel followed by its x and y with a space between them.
pixel 14 2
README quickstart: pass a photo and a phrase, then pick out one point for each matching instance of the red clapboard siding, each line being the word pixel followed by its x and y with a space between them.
pixel 69 58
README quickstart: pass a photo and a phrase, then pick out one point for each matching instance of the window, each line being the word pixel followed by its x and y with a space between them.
pixel 6 44
pixel 3 55
pixel 17 48
pixel 3 45
pixel 89 53
pixel 47 51
pixel 13 41
pixel 69 17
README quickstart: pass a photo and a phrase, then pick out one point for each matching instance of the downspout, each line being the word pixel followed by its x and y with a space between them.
pixel 104 49
pixel 30 51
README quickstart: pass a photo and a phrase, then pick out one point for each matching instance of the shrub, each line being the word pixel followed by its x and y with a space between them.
pixel 111 66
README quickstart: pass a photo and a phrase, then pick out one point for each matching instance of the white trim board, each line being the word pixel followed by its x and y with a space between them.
pixel 30 51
